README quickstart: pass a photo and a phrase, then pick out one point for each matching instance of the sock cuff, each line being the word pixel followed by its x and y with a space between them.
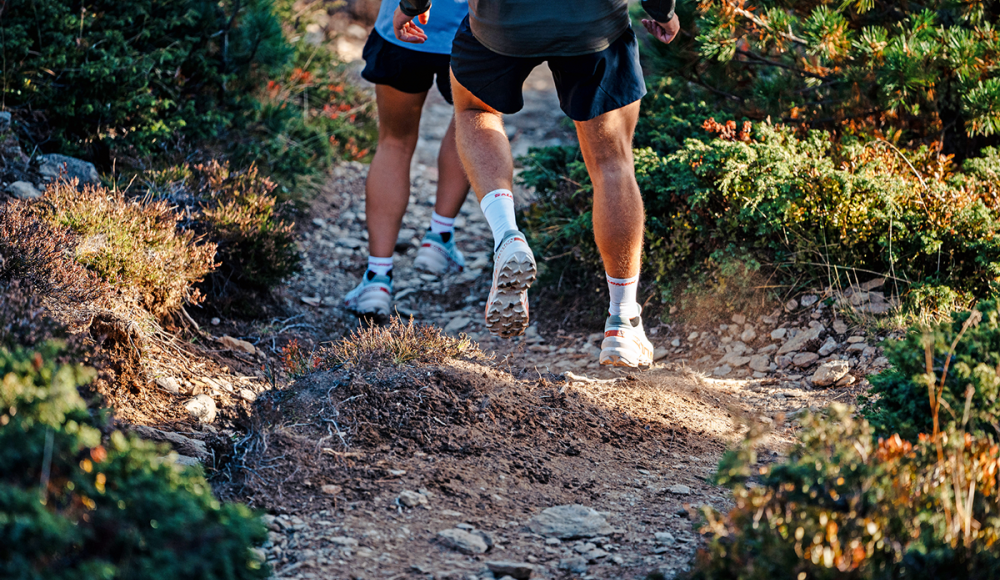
pixel 442 221
pixel 374 261
pixel 621 281
pixel 497 195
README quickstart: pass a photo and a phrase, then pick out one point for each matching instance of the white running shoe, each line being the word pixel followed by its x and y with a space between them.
pixel 625 343
pixel 513 273
pixel 372 297
pixel 437 256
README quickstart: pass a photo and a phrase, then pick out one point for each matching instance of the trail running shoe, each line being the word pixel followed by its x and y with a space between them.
pixel 625 343
pixel 513 273
pixel 439 256
pixel 372 297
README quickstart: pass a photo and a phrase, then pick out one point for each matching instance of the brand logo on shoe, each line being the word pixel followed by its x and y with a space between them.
pixel 620 333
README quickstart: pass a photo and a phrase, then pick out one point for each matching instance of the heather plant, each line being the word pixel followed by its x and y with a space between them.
pixel 74 504
pixel 133 244
pixel 396 343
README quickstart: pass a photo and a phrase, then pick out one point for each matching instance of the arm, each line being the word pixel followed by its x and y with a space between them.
pixel 402 20
pixel 659 10
pixel 663 23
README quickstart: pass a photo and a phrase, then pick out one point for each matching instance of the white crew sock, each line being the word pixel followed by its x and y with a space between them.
pixel 623 293
pixel 441 224
pixel 378 266
pixel 498 207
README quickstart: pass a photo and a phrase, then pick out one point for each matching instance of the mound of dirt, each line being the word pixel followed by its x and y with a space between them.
pixel 350 449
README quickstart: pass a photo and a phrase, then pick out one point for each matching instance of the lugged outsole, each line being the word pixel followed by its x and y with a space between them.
pixel 507 313
pixel 621 361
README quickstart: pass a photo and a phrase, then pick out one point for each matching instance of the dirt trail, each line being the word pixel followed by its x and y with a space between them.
pixel 363 471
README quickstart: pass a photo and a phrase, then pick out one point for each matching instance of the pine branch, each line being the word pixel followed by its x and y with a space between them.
pixel 763 60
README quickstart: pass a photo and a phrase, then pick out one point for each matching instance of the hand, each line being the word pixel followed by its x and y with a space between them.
pixel 406 30
pixel 663 31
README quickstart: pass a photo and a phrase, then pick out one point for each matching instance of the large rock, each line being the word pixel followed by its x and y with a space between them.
pixel 802 340
pixel 569 521
pixel 760 363
pixel 830 372
pixel 55 166
pixel 463 541
pixel 24 190
pixel 804 359
pixel 202 408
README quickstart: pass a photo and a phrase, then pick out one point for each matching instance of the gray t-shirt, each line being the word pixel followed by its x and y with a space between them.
pixel 533 28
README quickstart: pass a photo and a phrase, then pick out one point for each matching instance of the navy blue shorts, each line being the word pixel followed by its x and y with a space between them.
pixel 403 69
pixel 588 85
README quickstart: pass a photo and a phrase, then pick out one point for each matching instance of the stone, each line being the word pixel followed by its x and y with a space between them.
pixel 594 337
pixel 462 541
pixel 804 359
pixel 594 555
pixel 830 372
pixel 791 305
pixel 693 337
pixel 343 541
pixel 23 190
pixel 768 349
pixel 675 342
pixel 457 324
pixel 855 339
pixel 659 353
pixel 739 319
pixel 411 499
pixel 808 300
pixel 872 284
pixel 185 446
pixel 737 361
pixel 202 408
pixel 215 322
pixel 574 564
pixel 169 384
pixel 239 345
pixel 782 361
pixel 515 570
pixel 839 326
pixel 55 166
pixel 722 371
pixel 248 395
pixel 748 334
pixel 857 347
pixel 665 538
pixel 760 363
pixel 779 333
pixel 330 489
pixel 829 347
pixel 352 243
pixel 568 522
pixel 5 119
pixel 846 381
pixel 802 340
pixel 679 489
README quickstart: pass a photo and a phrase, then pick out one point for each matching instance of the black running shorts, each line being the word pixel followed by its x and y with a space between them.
pixel 403 69
pixel 588 85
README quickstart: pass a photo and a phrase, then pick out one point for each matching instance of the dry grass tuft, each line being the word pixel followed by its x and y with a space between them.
pixel 133 244
pixel 396 344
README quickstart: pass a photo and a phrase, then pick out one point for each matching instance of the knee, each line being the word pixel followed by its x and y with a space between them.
pixel 402 143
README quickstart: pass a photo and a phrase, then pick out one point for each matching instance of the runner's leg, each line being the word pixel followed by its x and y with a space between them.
pixel 387 189
pixel 482 143
pixel 453 185
pixel 606 142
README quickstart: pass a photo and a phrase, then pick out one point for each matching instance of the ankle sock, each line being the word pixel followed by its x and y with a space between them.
pixel 444 226
pixel 379 267
pixel 623 296
pixel 498 207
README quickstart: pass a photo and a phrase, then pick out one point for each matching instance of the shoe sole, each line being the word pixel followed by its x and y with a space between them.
pixel 622 356
pixel 507 312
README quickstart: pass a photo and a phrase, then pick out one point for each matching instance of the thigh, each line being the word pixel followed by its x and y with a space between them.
pixel 398 113
pixel 592 85
pixel 494 79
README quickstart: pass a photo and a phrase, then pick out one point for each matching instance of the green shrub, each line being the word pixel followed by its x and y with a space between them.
pixel 136 75
pixel 74 506
pixel 913 72
pixel 759 193
pixel 842 507
pixel 134 244
pixel 968 346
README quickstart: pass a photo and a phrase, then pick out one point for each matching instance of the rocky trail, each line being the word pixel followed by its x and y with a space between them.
pixel 528 460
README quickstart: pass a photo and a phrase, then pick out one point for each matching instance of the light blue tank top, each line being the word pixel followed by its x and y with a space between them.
pixel 446 15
